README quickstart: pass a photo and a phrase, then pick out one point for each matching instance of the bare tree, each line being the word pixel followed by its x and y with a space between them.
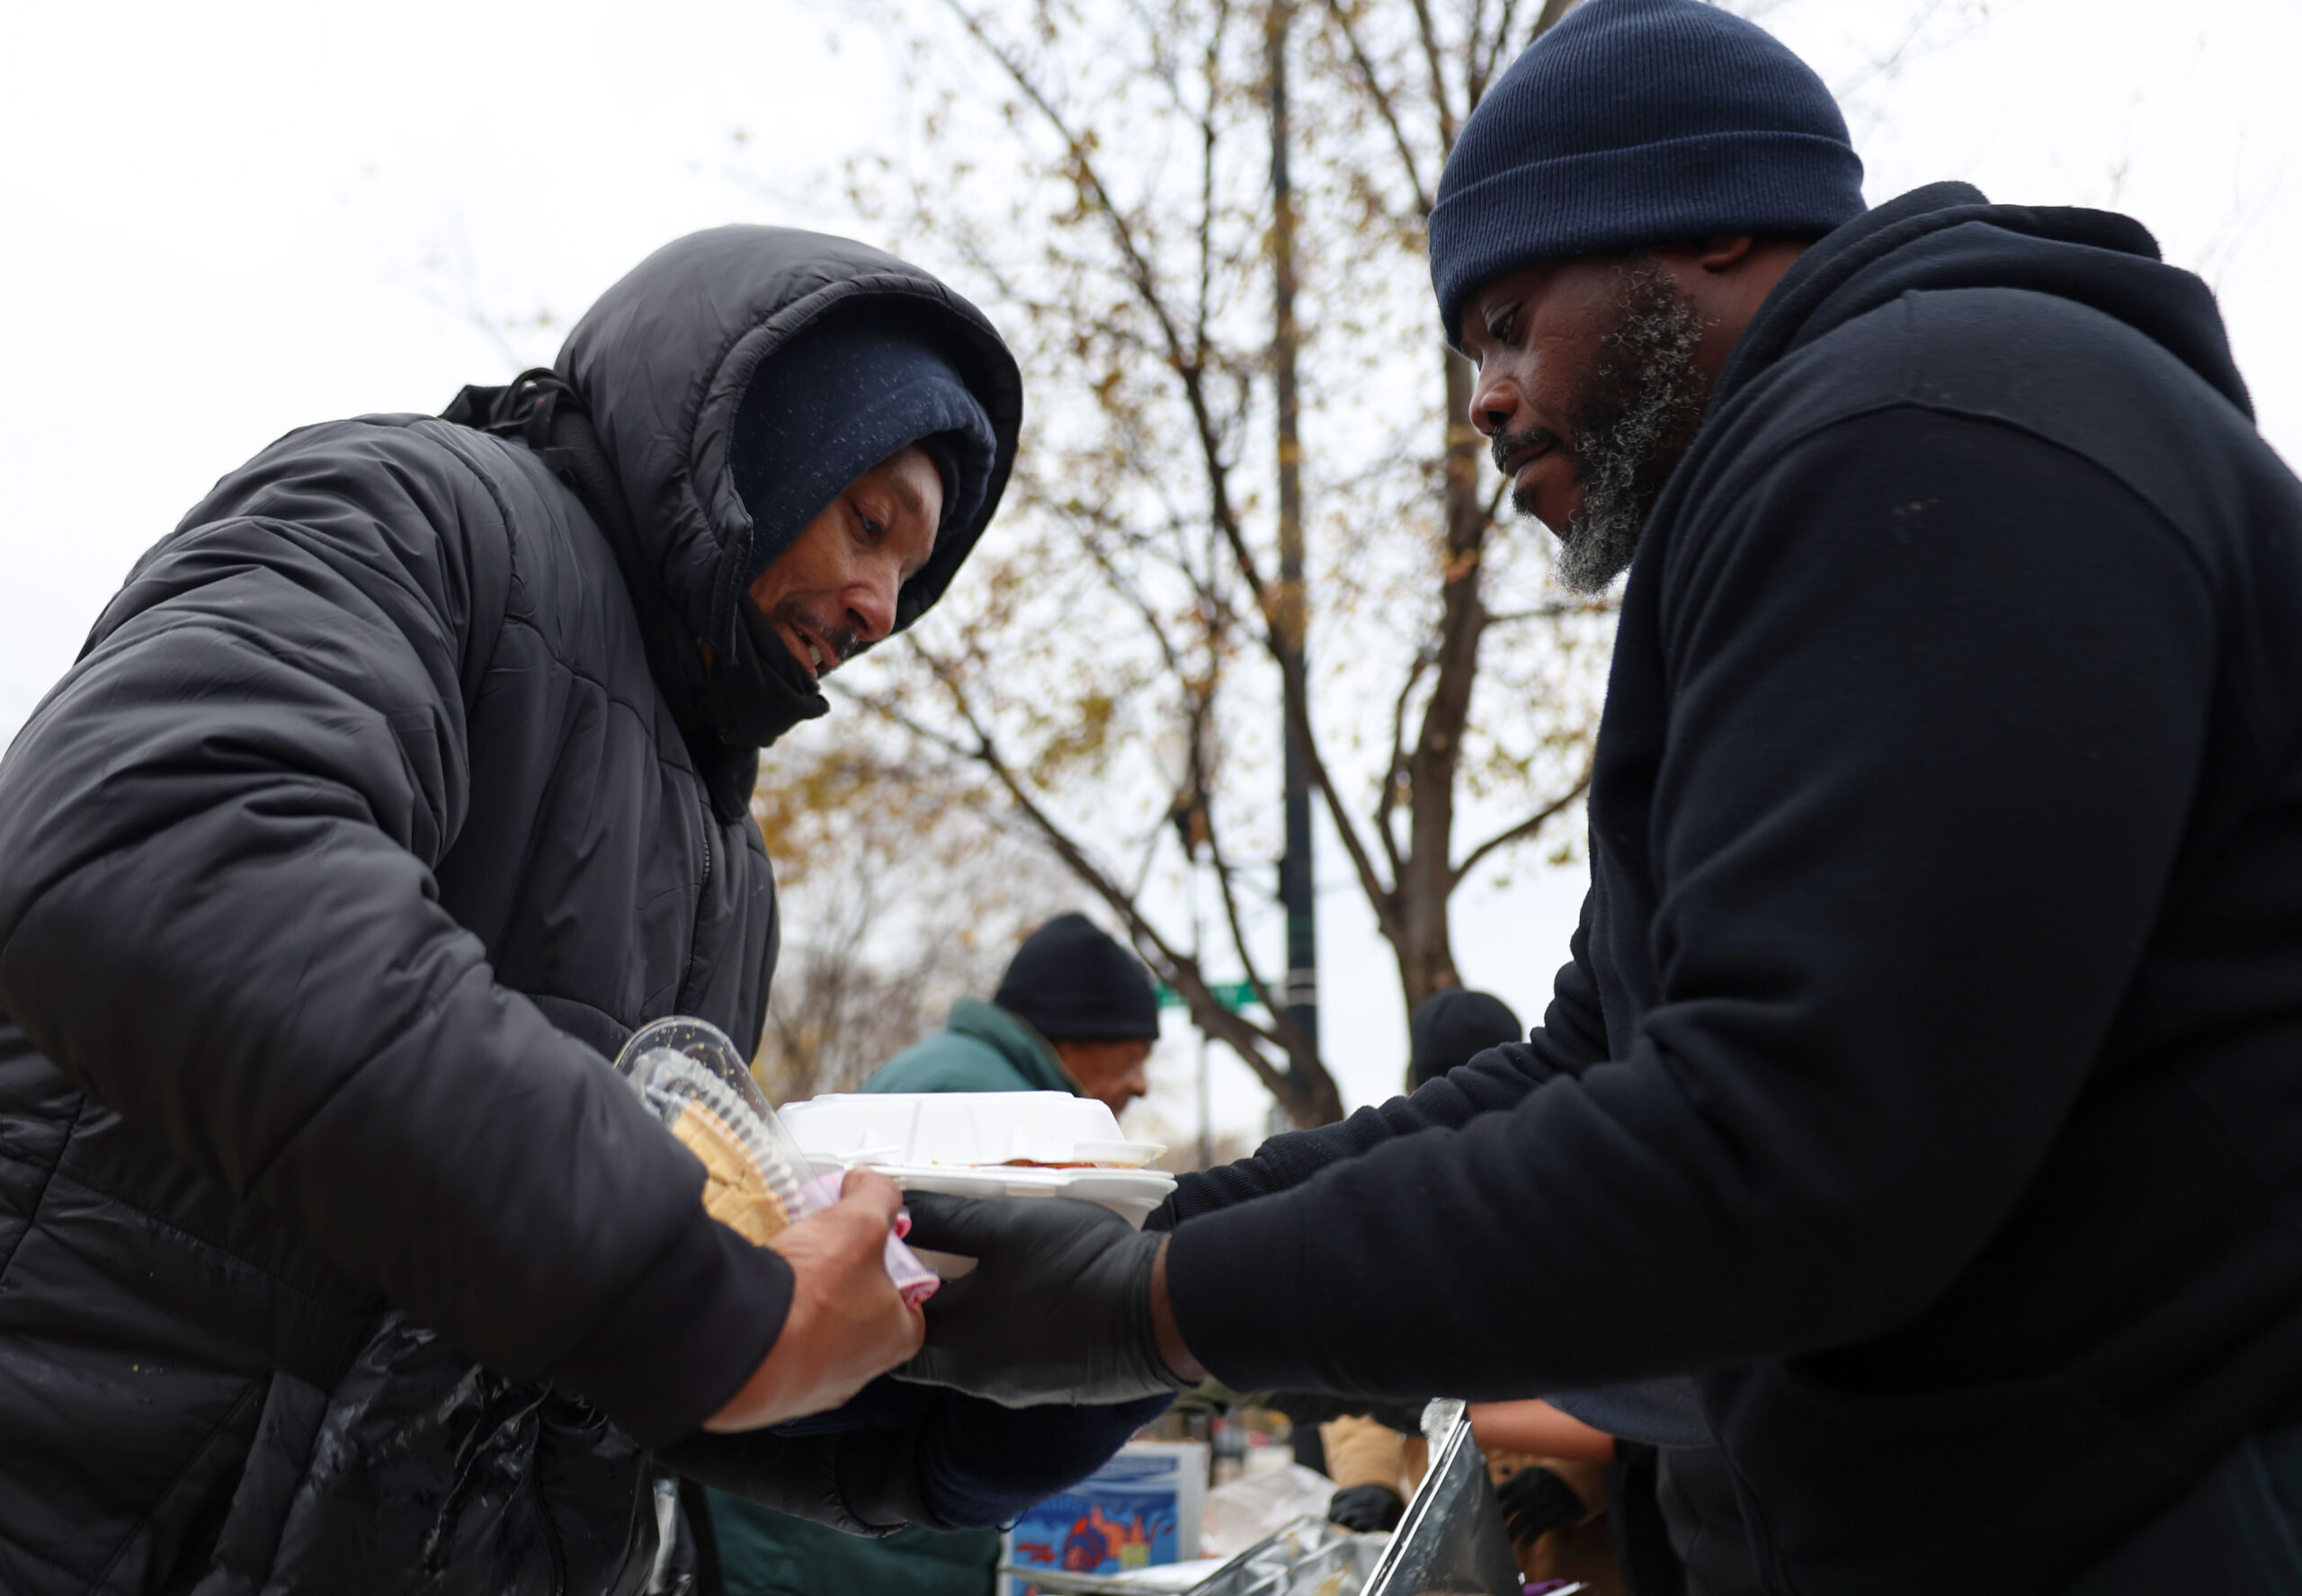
pixel 893 907
pixel 1205 231
pixel 1204 224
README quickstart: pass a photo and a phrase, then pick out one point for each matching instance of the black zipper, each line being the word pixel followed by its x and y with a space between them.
pixel 702 893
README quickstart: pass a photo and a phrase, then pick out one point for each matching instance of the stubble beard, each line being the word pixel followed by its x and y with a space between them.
pixel 801 617
pixel 1632 424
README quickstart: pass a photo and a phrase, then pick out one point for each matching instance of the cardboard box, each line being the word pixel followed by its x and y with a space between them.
pixel 1140 1509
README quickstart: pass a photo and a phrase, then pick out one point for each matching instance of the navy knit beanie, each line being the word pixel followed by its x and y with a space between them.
pixel 1634 123
pixel 857 387
pixel 1451 1026
pixel 1073 983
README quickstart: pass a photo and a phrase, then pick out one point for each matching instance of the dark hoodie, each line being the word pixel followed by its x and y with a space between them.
pixel 333 1256
pixel 1926 1069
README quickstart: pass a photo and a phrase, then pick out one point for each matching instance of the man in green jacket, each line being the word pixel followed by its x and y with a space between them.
pixel 1075 1012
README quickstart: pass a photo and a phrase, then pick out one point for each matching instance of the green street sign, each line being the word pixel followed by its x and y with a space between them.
pixel 1233 995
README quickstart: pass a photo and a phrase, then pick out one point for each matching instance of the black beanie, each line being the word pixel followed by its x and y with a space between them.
pixel 1073 983
pixel 1452 1025
pixel 1635 123
pixel 858 385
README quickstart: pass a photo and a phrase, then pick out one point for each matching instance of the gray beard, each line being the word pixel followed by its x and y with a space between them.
pixel 1631 426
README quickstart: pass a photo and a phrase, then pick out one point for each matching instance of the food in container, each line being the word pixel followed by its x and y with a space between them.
pixel 736 1191
pixel 987 1145
pixel 756 1179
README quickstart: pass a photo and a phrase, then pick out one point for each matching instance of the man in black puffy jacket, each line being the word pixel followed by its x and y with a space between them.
pixel 1923 1075
pixel 396 787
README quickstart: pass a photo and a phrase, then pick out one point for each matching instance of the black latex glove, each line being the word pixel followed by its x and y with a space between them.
pixel 1535 1502
pixel 1058 1308
pixel 1366 1507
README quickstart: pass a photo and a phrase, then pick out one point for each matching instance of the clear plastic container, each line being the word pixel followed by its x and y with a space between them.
pixel 757 1181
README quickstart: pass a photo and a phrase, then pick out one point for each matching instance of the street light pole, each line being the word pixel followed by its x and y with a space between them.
pixel 1300 994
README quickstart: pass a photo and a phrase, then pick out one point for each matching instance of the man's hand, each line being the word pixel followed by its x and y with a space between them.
pixel 1060 1306
pixel 847 1324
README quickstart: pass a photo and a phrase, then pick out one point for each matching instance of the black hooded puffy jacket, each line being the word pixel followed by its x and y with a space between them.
pixel 357 835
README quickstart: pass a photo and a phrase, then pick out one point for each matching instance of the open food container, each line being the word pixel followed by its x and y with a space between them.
pixel 757 1181
pixel 1451 1541
pixel 985 1144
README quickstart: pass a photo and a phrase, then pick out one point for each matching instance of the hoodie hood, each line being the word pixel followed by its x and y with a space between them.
pixel 1949 235
pixel 663 361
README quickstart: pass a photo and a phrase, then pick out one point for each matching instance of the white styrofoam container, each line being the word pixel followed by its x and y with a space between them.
pixel 969 1128
pixel 984 1145
pixel 1131 1193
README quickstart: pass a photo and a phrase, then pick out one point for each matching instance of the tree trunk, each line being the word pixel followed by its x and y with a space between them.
pixel 1426 949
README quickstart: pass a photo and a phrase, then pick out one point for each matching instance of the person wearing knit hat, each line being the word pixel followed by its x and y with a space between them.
pixel 1921 1075
pixel 1449 1028
pixel 399 785
pixel 1616 210
pixel 1074 983
pixel 863 460
pixel 1075 1012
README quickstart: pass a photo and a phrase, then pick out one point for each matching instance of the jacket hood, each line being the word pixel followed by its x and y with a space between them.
pixel 1947 235
pixel 662 359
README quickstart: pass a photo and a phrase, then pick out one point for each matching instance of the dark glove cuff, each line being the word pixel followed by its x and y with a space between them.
pixel 1158 1379
pixel 1535 1502
pixel 878 1475
pixel 1366 1507
pixel 795 1474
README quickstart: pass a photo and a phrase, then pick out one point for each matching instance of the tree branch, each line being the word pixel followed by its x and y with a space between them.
pixel 1429 31
pixel 1182 971
pixel 1380 898
pixel 1557 612
pixel 1372 83
pixel 1396 766
pixel 1212 71
pixel 1187 363
pixel 1482 73
pixel 1525 829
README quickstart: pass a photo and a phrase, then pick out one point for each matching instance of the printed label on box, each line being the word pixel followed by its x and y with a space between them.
pixel 1140 1509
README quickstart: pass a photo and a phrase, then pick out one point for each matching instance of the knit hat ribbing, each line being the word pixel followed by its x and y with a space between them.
pixel 1634 123
pixel 1452 1026
pixel 1073 983
pixel 847 393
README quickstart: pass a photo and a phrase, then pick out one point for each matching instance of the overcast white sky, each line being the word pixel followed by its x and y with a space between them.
pixel 221 222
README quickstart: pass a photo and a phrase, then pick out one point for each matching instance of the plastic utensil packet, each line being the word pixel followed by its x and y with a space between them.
pixel 756 1180
pixel 914 1281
